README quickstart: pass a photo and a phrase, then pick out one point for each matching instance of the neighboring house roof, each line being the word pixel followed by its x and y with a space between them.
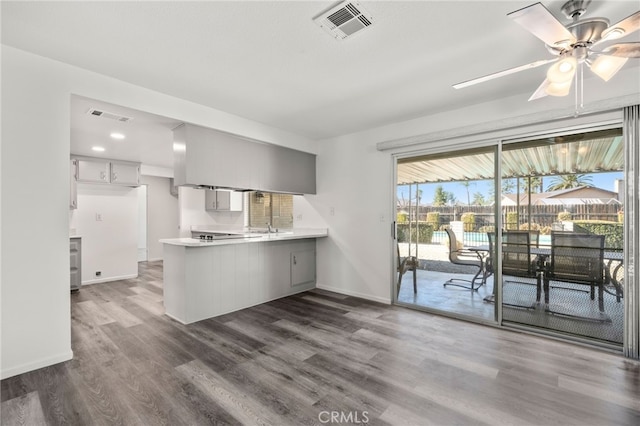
pixel 571 196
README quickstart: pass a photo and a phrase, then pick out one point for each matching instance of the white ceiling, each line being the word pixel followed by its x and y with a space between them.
pixel 269 62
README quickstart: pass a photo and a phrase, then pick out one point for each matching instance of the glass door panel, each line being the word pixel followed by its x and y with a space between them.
pixel 562 235
pixel 445 211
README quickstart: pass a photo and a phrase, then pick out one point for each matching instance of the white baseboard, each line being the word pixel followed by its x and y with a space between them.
pixel 386 301
pixel 30 366
pixel 108 279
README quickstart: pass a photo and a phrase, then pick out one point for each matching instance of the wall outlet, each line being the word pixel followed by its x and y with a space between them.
pixel 98 217
pixel 381 218
pixel 332 211
pixel 98 273
pixel 299 216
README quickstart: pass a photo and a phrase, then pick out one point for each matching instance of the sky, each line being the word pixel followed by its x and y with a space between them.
pixel 599 180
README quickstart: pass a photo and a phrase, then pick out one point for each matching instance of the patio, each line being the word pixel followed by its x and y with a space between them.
pixel 573 311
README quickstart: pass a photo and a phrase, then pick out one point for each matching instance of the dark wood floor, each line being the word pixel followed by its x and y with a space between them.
pixel 308 359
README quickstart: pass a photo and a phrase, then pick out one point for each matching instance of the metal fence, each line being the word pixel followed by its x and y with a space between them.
pixel 541 215
pixel 478 220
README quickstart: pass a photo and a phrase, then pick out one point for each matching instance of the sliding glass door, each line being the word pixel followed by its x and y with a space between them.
pixel 562 235
pixel 445 210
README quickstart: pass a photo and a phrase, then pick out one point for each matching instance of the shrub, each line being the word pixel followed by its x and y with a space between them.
pixel 433 219
pixel 621 216
pixel 565 215
pixel 613 231
pixel 469 221
pixel 545 230
pixel 402 233
pixel 402 217
pixel 487 228
pixel 512 220
pixel 525 227
pixel 424 231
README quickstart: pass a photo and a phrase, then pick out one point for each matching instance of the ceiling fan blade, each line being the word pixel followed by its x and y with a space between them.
pixel 622 28
pixel 541 91
pixel 503 73
pixel 541 23
pixel 606 66
pixel 624 50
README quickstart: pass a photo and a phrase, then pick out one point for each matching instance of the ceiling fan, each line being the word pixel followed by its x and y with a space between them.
pixel 573 45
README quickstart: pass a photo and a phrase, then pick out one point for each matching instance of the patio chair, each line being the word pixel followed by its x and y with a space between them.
pixel 409 263
pixel 489 262
pixel 459 256
pixel 516 258
pixel 577 259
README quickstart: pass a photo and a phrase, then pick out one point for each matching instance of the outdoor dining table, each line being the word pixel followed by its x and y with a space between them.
pixel 542 253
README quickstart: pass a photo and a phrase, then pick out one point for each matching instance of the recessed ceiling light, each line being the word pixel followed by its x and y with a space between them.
pixel 116 135
pixel 98 148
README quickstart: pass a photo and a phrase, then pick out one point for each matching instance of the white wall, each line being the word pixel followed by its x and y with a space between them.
pixel 162 214
pixel 193 212
pixel 109 245
pixel 36 91
pixel 142 223
pixel 355 181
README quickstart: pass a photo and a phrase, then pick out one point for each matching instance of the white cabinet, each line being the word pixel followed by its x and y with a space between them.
pixel 204 282
pixel 93 170
pixel 125 173
pixel 73 186
pixel 303 266
pixel 100 170
pixel 229 201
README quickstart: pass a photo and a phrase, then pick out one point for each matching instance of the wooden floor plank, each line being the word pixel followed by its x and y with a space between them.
pixel 24 410
pixel 297 360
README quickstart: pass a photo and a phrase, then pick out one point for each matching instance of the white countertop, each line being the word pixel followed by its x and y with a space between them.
pixel 75 236
pixel 294 234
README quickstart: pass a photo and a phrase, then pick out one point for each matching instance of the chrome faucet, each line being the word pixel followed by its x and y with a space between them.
pixel 269 227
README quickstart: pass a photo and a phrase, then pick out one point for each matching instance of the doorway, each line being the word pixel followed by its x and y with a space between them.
pixel 445 210
pixel 526 233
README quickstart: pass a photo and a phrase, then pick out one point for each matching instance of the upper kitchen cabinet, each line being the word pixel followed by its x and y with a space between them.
pixel 125 173
pixel 226 201
pixel 100 170
pixel 93 170
pixel 207 157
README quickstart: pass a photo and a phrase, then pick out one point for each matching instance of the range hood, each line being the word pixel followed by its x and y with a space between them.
pixel 221 188
pixel 213 159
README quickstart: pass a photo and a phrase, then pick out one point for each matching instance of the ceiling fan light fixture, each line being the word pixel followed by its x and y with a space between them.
pixel 558 89
pixel 605 66
pixel 563 70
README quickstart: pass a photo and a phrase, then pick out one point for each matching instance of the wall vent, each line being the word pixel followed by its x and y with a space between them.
pixel 109 115
pixel 344 20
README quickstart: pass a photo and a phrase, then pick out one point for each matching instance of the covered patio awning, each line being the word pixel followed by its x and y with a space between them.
pixel 593 152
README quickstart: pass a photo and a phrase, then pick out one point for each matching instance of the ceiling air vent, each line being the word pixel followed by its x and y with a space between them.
pixel 344 20
pixel 109 115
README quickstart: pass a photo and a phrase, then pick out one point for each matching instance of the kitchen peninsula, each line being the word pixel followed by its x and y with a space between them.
pixel 208 278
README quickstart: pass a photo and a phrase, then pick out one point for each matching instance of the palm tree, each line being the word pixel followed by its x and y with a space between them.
pixel 466 184
pixel 569 181
pixel 536 184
